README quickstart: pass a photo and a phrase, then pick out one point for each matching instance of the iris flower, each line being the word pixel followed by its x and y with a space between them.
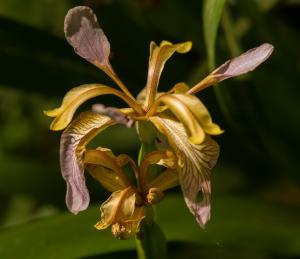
pixel 183 128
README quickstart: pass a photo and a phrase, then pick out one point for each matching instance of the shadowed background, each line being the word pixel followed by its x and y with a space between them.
pixel 256 184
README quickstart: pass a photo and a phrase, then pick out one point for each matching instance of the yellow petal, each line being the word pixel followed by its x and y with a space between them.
pixel 164 158
pixel 196 163
pixel 200 112
pixel 78 95
pixel 130 227
pixel 102 165
pixel 72 145
pixel 158 57
pixel 119 206
pixel 195 131
pixel 165 180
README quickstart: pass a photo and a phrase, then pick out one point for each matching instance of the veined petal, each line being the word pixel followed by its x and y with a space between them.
pixel 158 57
pixel 195 165
pixel 179 109
pixel 240 65
pixel 84 34
pixel 72 145
pixel 200 112
pixel 78 95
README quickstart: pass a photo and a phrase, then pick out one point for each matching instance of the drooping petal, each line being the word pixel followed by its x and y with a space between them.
pixel 78 95
pixel 158 57
pixel 200 112
pixel 72 145
pixel 240 65
pixel 84 34
pixel 195 165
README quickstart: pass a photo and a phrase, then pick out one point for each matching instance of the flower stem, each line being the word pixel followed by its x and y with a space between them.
pixel 151 242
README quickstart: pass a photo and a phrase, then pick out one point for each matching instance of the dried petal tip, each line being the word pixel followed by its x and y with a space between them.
pixel 84 34
pixel 244 63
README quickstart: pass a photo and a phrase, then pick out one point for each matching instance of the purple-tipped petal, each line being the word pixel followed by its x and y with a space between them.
pixel 84 34
pixel 195 162
pixel 244 63
pixel 72 145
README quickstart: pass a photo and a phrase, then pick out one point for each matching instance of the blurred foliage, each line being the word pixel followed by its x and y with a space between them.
pixel 256 187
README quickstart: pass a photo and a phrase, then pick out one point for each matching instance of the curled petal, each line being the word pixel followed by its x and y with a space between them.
pixel 199 110
pixel 120 211
pixel 158 57
pixel 240 65
pixel 179 109
pixel 72 145
pixel 78 95
pixel 84 34
pixel 195 165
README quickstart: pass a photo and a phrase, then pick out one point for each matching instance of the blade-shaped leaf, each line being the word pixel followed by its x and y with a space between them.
pixel 212 12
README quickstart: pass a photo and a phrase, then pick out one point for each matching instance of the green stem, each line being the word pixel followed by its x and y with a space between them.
pixel 151 242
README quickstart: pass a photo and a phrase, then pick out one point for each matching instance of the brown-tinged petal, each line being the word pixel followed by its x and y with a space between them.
pixel 128 228
pixel 120 205
pixel 103 166
pixel 195 164
pixel 200 112
pixel 72 145
pixel 179 109
pixel 158 57
pixel 84 34
pixel 240 65
pixel 78 95
pixel 121 212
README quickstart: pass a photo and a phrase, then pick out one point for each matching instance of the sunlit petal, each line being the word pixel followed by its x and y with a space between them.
pixel 78 95
pixel 195 165
pixel 158 57
pixel 200 112
pixel 179 109
pixel 72 145
pixel 240 65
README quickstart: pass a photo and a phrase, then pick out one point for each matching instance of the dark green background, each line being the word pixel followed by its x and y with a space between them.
pixel 256 184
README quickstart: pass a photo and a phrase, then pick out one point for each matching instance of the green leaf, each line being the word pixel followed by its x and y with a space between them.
pixel 212 12
pixel 236 222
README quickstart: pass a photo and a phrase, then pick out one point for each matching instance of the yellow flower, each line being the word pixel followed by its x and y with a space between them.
pixel 182 121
